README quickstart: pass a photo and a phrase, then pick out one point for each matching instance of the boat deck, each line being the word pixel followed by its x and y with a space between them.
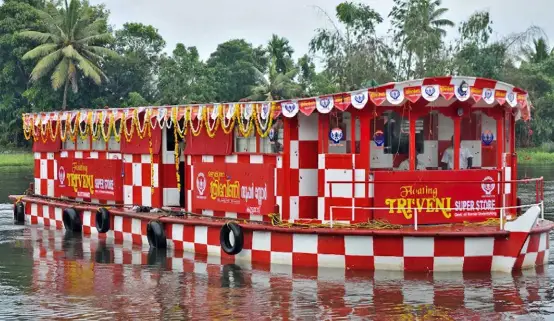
pixel 176 216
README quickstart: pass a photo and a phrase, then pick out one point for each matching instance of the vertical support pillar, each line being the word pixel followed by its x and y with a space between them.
pixel 412 141
pixel 513 153
pixel 457 142
pixel 285 211
pixel 499 141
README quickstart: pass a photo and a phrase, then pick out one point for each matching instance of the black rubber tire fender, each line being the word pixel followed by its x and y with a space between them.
pixel 71 220
pixel 226 230
pixel 156 235
pixel 102 220
pixel 19 212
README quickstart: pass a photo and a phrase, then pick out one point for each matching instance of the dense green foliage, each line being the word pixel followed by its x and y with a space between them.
pixel 128 66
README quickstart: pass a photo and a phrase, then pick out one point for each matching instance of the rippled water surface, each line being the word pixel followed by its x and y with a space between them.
pixel 47 274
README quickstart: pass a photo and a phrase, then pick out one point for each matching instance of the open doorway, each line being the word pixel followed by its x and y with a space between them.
pixel 173 193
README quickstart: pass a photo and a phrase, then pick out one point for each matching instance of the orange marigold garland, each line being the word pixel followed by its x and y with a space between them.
pixel 246 131
pixel 200 116
pixel 228 118
pixel 214 116
pixel 263 130
pixel 128 135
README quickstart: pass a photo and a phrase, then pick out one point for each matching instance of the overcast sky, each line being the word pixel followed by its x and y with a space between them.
pixel 206 23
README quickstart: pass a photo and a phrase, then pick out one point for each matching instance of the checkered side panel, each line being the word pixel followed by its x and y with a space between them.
pixel 535 251
pixel 340 197
pixel 351 252
pixel 45 173
pixel 43 215
pixel 138 183
pixel 303 180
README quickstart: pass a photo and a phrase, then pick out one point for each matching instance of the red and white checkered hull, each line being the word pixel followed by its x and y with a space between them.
pixel 523 244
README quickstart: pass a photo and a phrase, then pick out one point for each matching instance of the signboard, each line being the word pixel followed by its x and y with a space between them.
pixel 90 178
pixel 239 188
pixel 436 202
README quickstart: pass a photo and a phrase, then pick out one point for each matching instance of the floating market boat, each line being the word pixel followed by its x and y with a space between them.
pixel 411 176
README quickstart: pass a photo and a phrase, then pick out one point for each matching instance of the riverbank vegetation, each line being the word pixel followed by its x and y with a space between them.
pixel 542 155
pixel 17 159
pixel 352 55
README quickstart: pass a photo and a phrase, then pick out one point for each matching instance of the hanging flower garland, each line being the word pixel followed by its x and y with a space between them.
pixel 151 150
pixel 177 126
pixel 141 131
pixel 228 119
pixel 246 130
pixel 105 116
pixel 214 116
pixel 264 129
pixel 35 130
pixel 27 127
pixel 43 129
pixel 113 125
pixel 200 119
pixel 84 134
pixel 95 133
pixel 73 129
pixel 65 128
pixel 128 135
pixel 176 154
pixel 54 133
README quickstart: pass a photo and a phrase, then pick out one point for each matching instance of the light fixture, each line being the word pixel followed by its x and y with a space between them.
pixel 460 111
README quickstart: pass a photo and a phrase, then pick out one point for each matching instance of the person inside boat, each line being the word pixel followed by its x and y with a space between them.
pixel 466 158
pixel 405 165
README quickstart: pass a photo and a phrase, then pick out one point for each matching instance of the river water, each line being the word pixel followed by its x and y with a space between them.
pixel 46 274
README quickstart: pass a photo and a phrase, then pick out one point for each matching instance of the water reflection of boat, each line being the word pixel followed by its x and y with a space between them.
pixel 181 283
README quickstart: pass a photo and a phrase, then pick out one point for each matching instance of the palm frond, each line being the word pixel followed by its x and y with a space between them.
pixel 103 51
pixel 60 74
pixel 40 51
pixel 46 64
pixel 438 13
pixel 90 30
pixel 442 23
pixel 85 65
pixel 91 55
pixel 104 37
pixel 41 37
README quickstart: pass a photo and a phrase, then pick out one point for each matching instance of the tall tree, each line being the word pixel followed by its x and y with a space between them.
pixel 139 48
pixel 357 54
pixel 71 46
pixel 184 78
pixel 537 52
pixel 234 67
pixel 280 50
pixel 419 29
pixel 277 86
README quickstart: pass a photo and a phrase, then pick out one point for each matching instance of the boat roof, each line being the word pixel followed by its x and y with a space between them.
pixel 434 92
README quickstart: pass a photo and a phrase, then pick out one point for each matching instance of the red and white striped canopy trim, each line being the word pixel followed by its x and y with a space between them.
pixel 434 92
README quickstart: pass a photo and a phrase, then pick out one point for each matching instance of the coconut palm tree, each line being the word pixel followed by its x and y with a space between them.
pixel 422 26
pixel 538 52
pixel 280 49
pixel 278 86
pixel 71 46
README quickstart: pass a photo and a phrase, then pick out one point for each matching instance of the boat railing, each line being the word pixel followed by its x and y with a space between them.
pixel 539 184
pixel 539 197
